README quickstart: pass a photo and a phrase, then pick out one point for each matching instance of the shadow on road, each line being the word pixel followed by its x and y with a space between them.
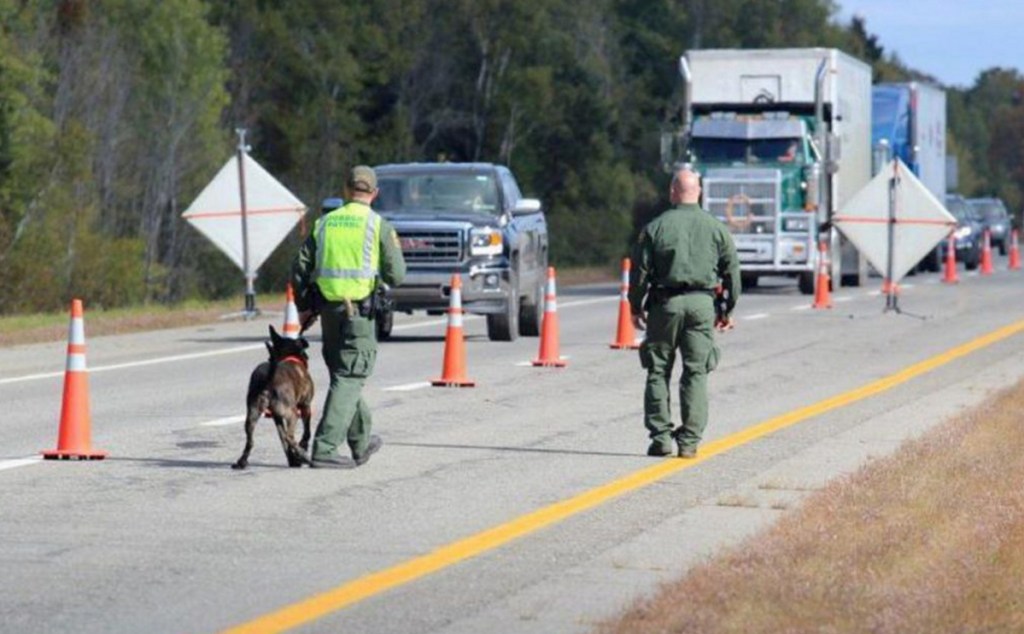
pixel 193 464
pixel 428 445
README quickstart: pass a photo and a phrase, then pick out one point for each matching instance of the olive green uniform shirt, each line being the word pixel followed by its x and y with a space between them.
pixel 684 247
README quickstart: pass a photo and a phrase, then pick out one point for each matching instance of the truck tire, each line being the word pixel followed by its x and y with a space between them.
pixel 384 322
pixel 748 281
pixel 531 313
pixel 806 282
pixel 505 326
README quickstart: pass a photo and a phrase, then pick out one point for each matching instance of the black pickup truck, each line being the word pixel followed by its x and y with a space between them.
pixel 471 219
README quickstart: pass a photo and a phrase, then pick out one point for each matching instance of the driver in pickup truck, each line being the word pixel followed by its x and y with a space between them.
pixel 679 260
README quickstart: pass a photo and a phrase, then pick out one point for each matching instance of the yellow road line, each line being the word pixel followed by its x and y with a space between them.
pixel 320 605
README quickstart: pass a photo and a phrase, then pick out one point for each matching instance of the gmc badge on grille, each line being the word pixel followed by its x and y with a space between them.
pixel 412 244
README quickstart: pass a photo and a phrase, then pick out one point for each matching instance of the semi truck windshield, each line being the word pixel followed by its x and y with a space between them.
pixel 718 150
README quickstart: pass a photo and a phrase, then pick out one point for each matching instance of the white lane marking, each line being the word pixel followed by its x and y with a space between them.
pixel 873 293
pixel 408 387
pixel 801 307
pixel 844 298
pixel 220 422
pixel 754 316
pixel 135 364
pixel 906 285
pixel 213 353
pixel 19 462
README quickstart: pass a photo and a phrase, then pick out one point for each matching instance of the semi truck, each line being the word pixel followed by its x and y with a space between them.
pixel 782 139
pixel 908 120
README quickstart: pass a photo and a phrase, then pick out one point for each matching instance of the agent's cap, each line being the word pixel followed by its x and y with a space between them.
pixel 362 179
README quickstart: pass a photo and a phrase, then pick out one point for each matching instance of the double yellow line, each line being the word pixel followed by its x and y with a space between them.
pixel 342 596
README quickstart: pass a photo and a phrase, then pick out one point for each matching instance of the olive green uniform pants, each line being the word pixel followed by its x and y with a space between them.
pixel 350 351
pixel 684 323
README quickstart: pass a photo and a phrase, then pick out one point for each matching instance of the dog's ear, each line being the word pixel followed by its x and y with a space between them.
pixel 270 347
pixel 273 334
pixel 303 343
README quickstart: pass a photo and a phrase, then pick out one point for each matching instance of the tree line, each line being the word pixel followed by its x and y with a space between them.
pixel 115 113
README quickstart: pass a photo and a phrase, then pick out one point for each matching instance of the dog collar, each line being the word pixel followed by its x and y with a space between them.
pixel 295 359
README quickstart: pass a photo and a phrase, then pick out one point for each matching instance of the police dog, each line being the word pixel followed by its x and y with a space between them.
pixel 282 389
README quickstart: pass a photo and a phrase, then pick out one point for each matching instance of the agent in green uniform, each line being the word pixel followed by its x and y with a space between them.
pixel 337 271
pixel 679 259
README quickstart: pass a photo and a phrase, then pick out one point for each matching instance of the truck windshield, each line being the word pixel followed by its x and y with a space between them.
pixel 717 150
pixel 430 193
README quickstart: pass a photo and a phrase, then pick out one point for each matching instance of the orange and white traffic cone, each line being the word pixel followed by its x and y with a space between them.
pixel 548 356
pixel 822 296
pixel 625 336
pixel 292 328
pixel 453 373
pixel 1014 252
pixel 949 276
pixel 74 441
pixel 888 288
pixel 986 254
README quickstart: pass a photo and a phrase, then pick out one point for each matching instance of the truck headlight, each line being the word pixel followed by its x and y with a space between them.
pixel 484 242
pixel 799 223
pixel 963 232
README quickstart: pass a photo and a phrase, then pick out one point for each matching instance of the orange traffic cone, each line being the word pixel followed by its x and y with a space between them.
pixel 986 254
pixel 453 374
pixel 1014 251
pixel 625 336
pixel 950 276
pixel 292 328
pixel 75 435
pixel 548 356
pixel 888 288
pixel 822 296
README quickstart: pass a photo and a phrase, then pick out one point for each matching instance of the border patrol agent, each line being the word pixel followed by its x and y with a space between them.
pixel 679 259
pixel 350 250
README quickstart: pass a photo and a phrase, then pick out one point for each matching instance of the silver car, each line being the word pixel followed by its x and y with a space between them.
pixel 996 219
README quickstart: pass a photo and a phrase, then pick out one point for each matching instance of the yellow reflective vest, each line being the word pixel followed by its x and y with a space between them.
pixel 347 252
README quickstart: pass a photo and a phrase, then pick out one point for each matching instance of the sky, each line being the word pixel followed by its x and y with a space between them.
pixel 952 40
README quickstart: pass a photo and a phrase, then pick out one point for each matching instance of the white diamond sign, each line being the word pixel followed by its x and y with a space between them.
pixel 270 212
pixel 918 220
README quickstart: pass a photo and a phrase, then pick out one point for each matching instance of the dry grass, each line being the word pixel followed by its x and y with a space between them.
pixel 930 539
pixel 25 329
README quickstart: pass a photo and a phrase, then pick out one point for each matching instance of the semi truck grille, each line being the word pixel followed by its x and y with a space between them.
pixel 747 201
pixel 431 246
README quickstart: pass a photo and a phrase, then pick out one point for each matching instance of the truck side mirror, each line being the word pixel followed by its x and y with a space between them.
pixel 526 206
pixel 671 149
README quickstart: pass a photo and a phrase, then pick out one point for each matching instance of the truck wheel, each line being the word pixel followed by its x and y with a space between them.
pixel 532 312
pixel 748 281
pixel 505 326
pixel 806 282
pixel 384 322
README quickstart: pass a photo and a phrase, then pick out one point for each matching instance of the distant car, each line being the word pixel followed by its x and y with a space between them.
pixel 996 219
pixel 968 231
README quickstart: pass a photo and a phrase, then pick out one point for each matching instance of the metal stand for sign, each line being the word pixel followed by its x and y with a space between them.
pixel 249 311
pixel 891 298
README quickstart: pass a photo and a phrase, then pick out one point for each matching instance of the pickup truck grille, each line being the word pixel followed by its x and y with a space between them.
pixel 431 246
pixel 746 200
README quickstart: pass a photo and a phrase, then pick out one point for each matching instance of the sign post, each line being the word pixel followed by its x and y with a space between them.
pixel 243 191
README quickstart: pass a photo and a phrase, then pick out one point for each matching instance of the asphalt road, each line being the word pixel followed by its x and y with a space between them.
pixel 525 504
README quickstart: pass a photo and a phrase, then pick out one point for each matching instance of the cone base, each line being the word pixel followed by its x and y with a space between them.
pixel 553 363
pixel 58 454
pixel 624 346
pixel 821 306
pixel 452 383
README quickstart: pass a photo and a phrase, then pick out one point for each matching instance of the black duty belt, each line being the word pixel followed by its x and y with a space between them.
pixel 665 292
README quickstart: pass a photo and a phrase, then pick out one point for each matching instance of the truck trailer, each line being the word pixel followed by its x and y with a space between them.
pixel 908 121
pixel 782 139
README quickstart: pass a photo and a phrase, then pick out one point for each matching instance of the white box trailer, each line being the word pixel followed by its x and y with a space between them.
pixel 760 97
